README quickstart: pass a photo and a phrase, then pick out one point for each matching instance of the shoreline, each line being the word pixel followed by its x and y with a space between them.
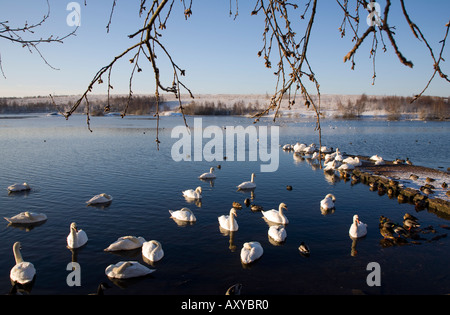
pixel 395 181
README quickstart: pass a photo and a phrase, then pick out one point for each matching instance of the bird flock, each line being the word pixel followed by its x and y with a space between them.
pixel 23 272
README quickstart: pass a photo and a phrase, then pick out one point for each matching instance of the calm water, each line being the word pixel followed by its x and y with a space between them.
pixel 66 165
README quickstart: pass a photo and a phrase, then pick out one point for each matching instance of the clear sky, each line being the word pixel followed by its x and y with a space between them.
pixel 218 52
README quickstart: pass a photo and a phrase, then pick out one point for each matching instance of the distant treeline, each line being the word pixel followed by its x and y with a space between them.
pixel 138 105
pixel 426 107
pixel 220 108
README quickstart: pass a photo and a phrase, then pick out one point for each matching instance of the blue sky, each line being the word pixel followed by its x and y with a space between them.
pixel 219 53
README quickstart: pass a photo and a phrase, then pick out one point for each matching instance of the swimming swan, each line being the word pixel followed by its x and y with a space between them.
pixel 357 229
pixel 276 216
pixel 209 175
pixel 126 243
pixel 228 222
pixel 328 202
pixel 184 214
pixel 193 194
pixel 250 252
pixel 27 218
pixel 99 199
pixel 23 271
pixel 248 185
pixel 127 269
pixel 76 238
pixel 277 233
pixel 19 187
pixel 152 250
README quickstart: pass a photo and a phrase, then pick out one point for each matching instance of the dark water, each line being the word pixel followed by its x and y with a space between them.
pixel 66 165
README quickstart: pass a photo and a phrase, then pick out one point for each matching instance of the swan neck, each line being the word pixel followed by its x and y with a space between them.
pixel 17 254
pixel 73 235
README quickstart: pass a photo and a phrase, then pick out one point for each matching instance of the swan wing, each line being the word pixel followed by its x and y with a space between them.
pixel 23 272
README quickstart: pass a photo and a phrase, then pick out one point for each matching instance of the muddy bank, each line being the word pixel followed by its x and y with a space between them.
pixel 422 186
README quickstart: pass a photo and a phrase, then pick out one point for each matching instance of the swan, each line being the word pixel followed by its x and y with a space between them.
pixel 76 238
pixel 99 199
pixel 209 175
pixel 346 167
pixel 127 269
pixel 328 202
pixel 355 161
pixel 19 187
pixel 276 216
pixel 250 252
pixel 184 214
pixel 126 243
pixel 277 233
pixel 299 147
pixel 27 218
pixel 152 250
pixel 193 194
pixel 357 229
pixel 248 185
pixel 23 272
pixel 227 222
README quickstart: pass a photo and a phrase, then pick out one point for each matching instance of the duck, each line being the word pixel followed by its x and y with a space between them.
pixel 248 185
pixel 328 202
pixel 304 249
pixel 357 229
pixel 228 222
pixel 127 269
pixel 193 194
pixel 100 199
pixel 276 216
pixel 386 231
pixel 410 217
pixel 410 224
pixel 250 252
pixel 184 214
pixel 27 218
pixel 76 238
pixel 101 288
pixel 19 187
pixel 152 250
pixel 237 205
pixel 277 233
pixel 126 243
pixel 209 175
pixel 256 208
pixel 235 289
pixel 23 272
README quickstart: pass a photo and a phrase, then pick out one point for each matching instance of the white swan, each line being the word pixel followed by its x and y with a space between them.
pixel 355 161
pixel 76 238
pixel 19 187
pixel 193 194
pixel 250 252
pixel 152 250
pixel 184 214
pixel 276 216
pixel 357 229
pixel 277 233
pixel 126 243
pixel 248 185
pixel 99 199
pixel 328 202
pixel 127 269
pixel 228 222
pixel 23 271
pixel 299 147
pixel 209 175
pixel 27 218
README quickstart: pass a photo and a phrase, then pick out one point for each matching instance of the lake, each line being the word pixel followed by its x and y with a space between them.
pixel 66 165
